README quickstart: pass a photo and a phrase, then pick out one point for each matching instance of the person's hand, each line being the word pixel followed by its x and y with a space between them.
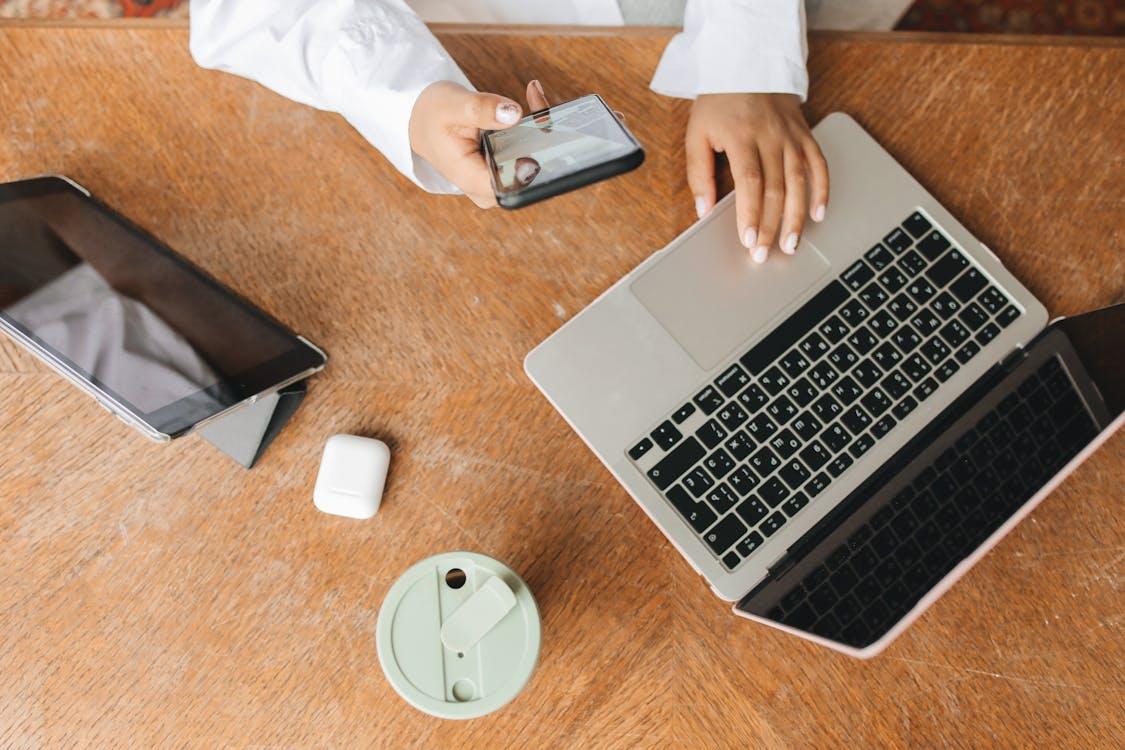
pixel 773 159
pixel 445 127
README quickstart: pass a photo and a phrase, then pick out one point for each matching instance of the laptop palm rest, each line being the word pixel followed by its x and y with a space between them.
pixel 710 296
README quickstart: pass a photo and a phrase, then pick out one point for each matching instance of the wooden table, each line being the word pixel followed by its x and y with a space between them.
pixel 161 595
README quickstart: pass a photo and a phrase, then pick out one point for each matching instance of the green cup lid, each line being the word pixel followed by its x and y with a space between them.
pixel 458 635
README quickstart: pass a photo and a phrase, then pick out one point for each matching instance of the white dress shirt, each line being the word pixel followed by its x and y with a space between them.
pixel 369 60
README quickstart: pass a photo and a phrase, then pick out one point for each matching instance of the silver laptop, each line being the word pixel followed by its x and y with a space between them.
pixel 771 419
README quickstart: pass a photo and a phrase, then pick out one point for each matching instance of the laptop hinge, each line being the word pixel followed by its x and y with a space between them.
pixel 781 566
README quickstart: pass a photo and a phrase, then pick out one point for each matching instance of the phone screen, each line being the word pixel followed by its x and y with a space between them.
pixel 555 143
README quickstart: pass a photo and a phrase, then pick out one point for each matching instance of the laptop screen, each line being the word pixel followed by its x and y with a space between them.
pixel 870 562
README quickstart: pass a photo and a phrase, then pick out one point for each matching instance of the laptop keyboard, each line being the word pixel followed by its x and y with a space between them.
pixel 871 580
pixel 794 413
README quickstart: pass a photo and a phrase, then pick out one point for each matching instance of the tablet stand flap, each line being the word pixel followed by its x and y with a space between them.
pixel 245 434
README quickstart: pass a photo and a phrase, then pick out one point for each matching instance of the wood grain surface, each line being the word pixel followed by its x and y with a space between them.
pixel 162 596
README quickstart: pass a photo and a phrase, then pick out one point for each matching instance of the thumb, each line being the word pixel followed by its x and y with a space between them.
pixel 490 111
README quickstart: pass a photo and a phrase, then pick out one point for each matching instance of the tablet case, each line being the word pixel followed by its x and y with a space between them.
pixel 245 434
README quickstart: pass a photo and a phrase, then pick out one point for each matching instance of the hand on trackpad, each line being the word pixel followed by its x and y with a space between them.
pixel 711 297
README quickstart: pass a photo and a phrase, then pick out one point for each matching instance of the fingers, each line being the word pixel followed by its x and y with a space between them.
pixel 746 170
pixel 773 200
pixel 536 98
pixel 796 201
pixel 818 171
pixel 489 111
pixel 700 171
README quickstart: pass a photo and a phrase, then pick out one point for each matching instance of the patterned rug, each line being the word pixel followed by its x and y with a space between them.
pixel 1092 17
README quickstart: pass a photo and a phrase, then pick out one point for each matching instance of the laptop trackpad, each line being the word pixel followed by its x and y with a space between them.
pixel 710 296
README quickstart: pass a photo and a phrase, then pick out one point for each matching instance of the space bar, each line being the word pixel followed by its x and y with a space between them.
pixel 766 352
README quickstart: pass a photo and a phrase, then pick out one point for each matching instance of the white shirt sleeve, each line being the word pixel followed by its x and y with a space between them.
pixel 368 60
pixel 736 46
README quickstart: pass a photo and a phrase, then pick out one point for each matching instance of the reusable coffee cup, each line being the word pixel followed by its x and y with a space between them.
pixel 458 635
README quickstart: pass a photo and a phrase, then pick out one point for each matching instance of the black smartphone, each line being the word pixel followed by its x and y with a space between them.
pixel 559 149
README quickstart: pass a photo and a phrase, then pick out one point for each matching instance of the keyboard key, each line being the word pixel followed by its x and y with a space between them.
pixel 725 533
pixel 815 455
pixel 826 408
pixel 666 435
pixel 785 443
pixel 912 263
pixel 946 370
pixel 719 463
pixel 814 347
pixel 1007 316
pixel 802 392
pixel 796 326
pixel 761 428
pixel 823 375
pixel 794 363
pixel 992 299
pixel 879 257
pixel 887 356
pixel 954 333
pixel 721 498
pixel 682 458
pixel 764 462
pixel 935 350
pixel 945 305
pixel 853 313
pixel 933 245
pixel 876 402
pixel 926 322
pixel 697 514
pixel 752 511
pixel 873 296
pixel 683 413
pixel 847 391
pixel 835 437
pixel 806 426
pixel 731 560
pixel 896 385
pixel 893 278
pixel 839 464
pixel 902 307
pixel 843 357
pixel 882 426
pixel 794 474
pixel 925 389
pixel 917 224
pixel 898 240
pixel 903 408
pixel 921 290
pixel 866 373
pixel 906 339
pixel 946 269
pixel 862 340
pixel 697 481
pixel 739 446
pixel 916 367
pixel 709 400
pixel 833 329
pixel 640 449
pixel 794 504
pixel 753 398
pixel 817 484
pixel 973 316
pixel 782 409
pixel 732 416
pixel 749 544
pixel 857 274
pixel 856 420
pixel 733 380
pixel 742 480
pixel 711 433
pixel 861 445
pixel 772 492
pixel 770 526
pixel 882 324
pixel 968 284
pixel 987 333
pixel 773 380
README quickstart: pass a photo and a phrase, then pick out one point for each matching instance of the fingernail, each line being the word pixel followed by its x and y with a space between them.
pixel 750 238
pixel 700 206
pixel 539 87
pixel 507 113
pixel 818 214
pixel 759 254
pixel 790 244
